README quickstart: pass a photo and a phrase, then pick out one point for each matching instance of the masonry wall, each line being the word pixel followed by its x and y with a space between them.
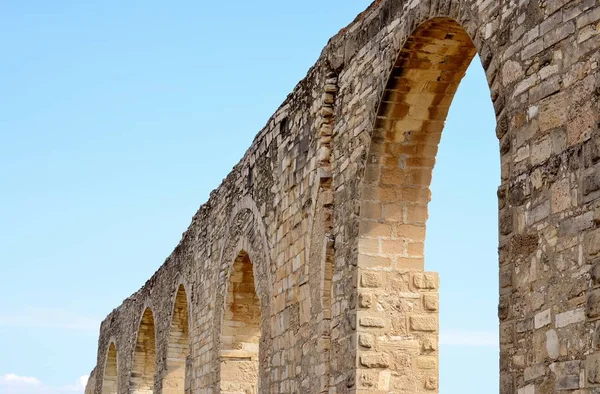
pixel 330 205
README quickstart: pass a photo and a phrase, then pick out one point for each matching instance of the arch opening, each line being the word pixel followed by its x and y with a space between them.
pixel 240 332
pixel 177 376
pixel 398 301
pixel 144 358
pixel 110 380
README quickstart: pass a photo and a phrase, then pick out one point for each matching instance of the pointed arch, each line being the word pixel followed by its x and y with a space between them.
pixel 404 142
pixel 144 357
pixel 110 379
pixel 246 249
pixel 178 348
pixel 240 330
pixel 394 204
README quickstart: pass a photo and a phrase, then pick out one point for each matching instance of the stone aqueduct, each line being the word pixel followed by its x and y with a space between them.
pixel 304 271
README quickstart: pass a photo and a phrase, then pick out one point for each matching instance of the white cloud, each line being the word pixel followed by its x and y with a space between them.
pixel 82 381
pixel 469 338
pixel 12 379
pixel 50 318
pixel 15 384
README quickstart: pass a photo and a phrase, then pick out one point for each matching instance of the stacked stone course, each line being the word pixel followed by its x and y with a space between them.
pixel 329 205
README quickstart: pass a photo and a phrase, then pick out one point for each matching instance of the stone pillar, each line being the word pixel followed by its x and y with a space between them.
pixel 397 331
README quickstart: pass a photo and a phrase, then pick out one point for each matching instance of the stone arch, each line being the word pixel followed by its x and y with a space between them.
pixel 247 203
pixel 110 381
pixel 398 301
pixel 178 346
pixel 246 231
pixel 245 251
pixel 240 332
pixel 141 380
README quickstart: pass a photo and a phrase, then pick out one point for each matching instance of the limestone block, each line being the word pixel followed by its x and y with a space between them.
pixel 529 389
pixel 426 280
pixel 366 340
pixel 426 362
pixel 365 300
pixel 369 321
pixel 552 344
pixel 593 304
pixel 534 372
pixel 374 360
pixel 370 279
pixel 543 318
pixel 567 375
pixel 592 242
pixel 592 368
pixel 423 323
pixel 570 317
pixel 431 383
pixel 430 302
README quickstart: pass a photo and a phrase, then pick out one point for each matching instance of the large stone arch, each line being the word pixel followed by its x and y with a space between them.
pixel 398 301
pixel 177 372
pixel 143 371
pixel 110 380
pixel 244 243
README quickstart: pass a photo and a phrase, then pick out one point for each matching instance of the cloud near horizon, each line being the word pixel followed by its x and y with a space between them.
pixel 15 384
pixel 50 318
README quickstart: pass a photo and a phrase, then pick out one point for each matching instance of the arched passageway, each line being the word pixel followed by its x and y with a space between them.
pixel 144 358
pixel 240 335
pixel 398 307
pixel 178 347
pixel 109 382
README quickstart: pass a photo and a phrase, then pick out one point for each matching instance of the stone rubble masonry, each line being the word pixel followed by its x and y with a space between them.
pixel 329 207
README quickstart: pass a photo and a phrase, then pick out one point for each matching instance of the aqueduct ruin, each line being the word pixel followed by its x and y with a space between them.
pixel 304 272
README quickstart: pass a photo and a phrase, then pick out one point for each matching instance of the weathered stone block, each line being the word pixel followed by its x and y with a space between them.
pixel 365 300
pixel 423 323
pixel 430 302
pixel 553 112
pixel 567 375
pixel 591 242
pixel 426 362
pixel 595 271
pixel 570 317
pixel 592 368
pixel 370 279
pixel 593 304
pixel 369 321
pixel 543 318
pixel 552 344
pixel 529 389
pixel 366 340
pixel 431 383
pixel 375 360
pixel 534 372
pixel 426 280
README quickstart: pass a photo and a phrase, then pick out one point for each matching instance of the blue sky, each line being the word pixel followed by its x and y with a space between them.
pixel 116 121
